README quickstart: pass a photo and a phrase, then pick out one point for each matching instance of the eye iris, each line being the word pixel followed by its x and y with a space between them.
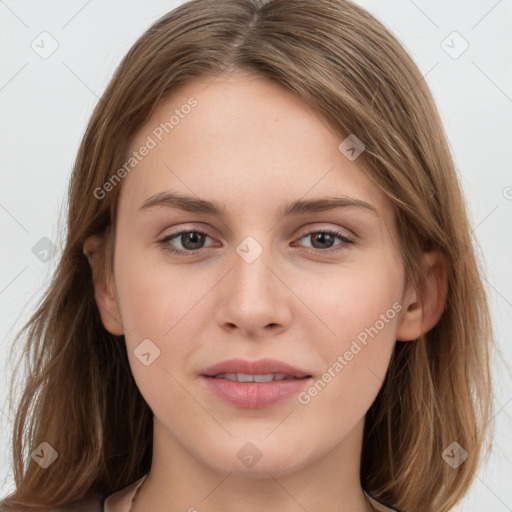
pixel 321 237
pixel 192 240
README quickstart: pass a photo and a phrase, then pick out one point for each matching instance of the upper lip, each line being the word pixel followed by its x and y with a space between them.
pixel 258 367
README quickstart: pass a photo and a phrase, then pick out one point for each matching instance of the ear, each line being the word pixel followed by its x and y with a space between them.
pixel 423 309
pixel 103 291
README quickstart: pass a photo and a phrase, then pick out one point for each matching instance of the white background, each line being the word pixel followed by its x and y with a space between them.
pixel 46 103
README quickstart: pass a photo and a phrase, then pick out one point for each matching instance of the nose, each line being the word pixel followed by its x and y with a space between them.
pixel 254 301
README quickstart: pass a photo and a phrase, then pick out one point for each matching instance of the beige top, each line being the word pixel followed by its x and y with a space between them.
pixel 121 501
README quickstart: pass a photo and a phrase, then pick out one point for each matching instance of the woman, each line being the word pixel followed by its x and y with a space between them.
pixel 200 348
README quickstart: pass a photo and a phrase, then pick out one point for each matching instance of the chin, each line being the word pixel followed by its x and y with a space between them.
pixel 257 460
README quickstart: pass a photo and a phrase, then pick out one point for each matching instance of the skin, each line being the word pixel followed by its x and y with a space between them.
pixel 252 146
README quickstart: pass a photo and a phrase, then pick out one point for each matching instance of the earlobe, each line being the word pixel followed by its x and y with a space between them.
pixel 103 292
pixel 423 308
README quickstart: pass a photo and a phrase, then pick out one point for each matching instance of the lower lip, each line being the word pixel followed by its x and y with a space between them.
pixel 253 395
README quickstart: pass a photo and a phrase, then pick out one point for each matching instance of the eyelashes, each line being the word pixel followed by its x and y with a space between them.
pixel 168 248
pixel 346 241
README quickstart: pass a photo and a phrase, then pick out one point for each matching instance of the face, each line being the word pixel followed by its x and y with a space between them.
pixel 249 264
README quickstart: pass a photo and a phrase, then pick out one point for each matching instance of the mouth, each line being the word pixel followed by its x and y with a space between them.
pixel 258 368
pixel 262 377
pixel 254 384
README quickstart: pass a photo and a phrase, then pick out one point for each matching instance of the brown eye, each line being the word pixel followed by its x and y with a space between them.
pixel 324 240
pixel 190 240
pixel 320 240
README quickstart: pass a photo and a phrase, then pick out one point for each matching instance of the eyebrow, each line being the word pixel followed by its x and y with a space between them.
pixel 197 205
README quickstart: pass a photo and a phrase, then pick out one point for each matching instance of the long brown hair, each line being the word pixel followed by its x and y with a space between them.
pixel 80 396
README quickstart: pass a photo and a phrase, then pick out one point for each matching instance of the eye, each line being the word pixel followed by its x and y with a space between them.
pixel 323 240
pixel 191 241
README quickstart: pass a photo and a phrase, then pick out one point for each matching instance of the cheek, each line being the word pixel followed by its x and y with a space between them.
pixel 155 306
pixel 156 300
pixel 354 298
pixel 361 306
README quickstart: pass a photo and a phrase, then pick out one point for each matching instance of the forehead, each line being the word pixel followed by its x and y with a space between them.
pixel 244 141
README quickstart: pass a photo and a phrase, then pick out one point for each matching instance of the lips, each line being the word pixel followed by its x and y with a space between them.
pixel 254 384
pixel 259 367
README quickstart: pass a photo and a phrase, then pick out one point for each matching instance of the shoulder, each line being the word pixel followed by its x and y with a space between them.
pixel 93 503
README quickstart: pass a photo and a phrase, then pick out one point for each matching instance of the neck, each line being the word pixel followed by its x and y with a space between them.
pixel 180 480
